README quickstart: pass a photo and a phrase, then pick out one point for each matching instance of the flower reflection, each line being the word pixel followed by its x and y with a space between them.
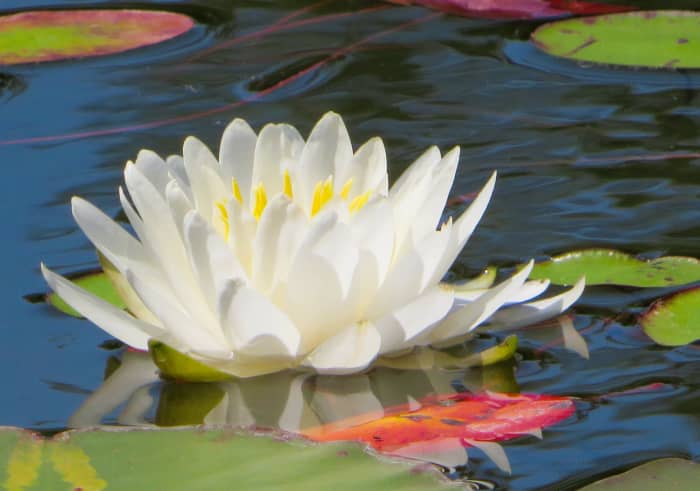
pixel 292 401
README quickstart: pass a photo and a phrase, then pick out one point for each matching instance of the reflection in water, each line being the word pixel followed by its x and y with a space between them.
pixel 291 401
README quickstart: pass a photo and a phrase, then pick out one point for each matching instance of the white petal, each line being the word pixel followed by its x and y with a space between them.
pixel 176 168
pixel 242 231
pixel 422 166
pixel 533 312
pixel 196 153
pixel 373 231
pixel 529 290
pixel 278 148
pixel 109 318
pixel 236 154
pixel 401 285
pixel 409 321
pixel 464 226
pixel 185 332
pixel 211 259
pixel 471 315
pixel 327 153
pixel 255 326
pixel 349 351
pixel 154 168
pixel 179 205
pixel 367 170
pixel 207 186
pixel 430 211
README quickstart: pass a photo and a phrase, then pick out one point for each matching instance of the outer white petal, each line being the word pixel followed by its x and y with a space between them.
pixel 471 315
pixel 373 231
pixel 421 167
pixel 176 169
pixel 278 148
pixel 205 180
pixel 530 313
pixel 111 319
pixel 464 226
pixel 529 290
pixel 185 332
pixel 179 205
pixel 402 284
pixel 254 326
pixel 236 154
pixel 154 168
pixel 407 205
pixel 349 351
pixel 401 327
pixel 430 211
pixel 327 153
pixel 367 170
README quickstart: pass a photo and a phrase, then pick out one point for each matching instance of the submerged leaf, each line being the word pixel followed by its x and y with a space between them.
pixel 51 35
pixel 516 9
pixel 673 321
pixel 611 267
pixel 97 283
pixel 654 39
pixel 177 366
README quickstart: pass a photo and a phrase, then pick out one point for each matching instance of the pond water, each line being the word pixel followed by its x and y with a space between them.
pixel 586 157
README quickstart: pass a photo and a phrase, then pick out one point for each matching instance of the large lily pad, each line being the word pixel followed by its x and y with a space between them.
pixel 196 459
pixel 611 267
pixel 657 475
pixel 654 39
pixel 50 35
pixel 673 321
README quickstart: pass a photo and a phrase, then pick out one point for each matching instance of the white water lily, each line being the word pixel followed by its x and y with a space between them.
pixel 285 253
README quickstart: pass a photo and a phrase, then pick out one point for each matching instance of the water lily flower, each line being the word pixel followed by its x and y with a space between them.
pixel 284 253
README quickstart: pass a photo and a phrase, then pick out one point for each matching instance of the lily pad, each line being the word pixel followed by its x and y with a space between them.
pixel 652 39
pixel 97 283
pixel 611 267
pixel 51 35
pixel 673 321
pixel 196 459
pixel 657 475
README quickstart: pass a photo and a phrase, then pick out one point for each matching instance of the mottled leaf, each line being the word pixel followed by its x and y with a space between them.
pixel 50 35
pixel 673 321
pixel 657 475
pixel 655 39
pixel 611 267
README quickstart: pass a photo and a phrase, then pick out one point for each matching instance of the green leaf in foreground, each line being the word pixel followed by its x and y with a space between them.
pixel 611 267
pixel 654 39
pixel 673 321
pixel 50 35
pixel 197 459
pixel 657 475
pixel 97 283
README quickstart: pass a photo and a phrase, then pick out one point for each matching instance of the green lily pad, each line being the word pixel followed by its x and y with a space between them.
pixel 673 321
pixel 97 283
pixel 653 39
pixel 195 459
pixel 611 267
pixel 657 475
pixel 51 35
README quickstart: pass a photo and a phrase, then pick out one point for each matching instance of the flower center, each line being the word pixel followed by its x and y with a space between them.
pixel 322 194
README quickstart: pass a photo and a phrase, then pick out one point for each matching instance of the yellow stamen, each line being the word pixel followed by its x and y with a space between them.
pixel 345 191
pixel 288 185
pixel 236 190
pixel 223 212
pixel 260 201
pixel 323 192
pixel 358 202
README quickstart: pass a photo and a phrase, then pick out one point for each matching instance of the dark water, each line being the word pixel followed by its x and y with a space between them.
pixel 587 157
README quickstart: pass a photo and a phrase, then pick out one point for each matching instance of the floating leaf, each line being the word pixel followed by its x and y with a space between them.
pixel 516 9
pixel 51 35
pixel 195 459
pixel 611 267
pixel 657 475
pixel 654 39
pixel 440 422
pixel 97 283
pixel 673 321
